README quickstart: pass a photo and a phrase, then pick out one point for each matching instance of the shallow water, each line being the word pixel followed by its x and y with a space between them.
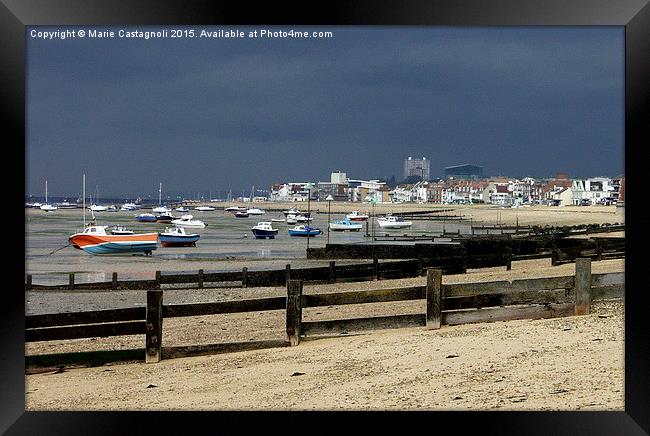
pixel 227 243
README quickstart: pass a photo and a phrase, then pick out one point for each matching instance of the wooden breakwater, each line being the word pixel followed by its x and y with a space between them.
pixel 446 304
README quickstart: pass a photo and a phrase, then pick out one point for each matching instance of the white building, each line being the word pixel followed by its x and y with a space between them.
pixel 592 190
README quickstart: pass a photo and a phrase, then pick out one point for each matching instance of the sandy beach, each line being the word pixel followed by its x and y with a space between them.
pixel 569 363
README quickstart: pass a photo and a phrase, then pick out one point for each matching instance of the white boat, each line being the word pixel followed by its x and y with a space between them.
pixel 277 220
pixel 393 222
pixel 111 208
pixel 129 206
pixel 264 230
pixel 98 208
pixel 356 216
pixel 65 204
pixel 182 209
pixel 188 221
pixel 234 209
pixel 343 225
pixel 119 230
pixel 36 205
pixel 47 207
pixel 255 211
pixel 205 208
pixel 292 211
pixel 161 210
pixel 177 237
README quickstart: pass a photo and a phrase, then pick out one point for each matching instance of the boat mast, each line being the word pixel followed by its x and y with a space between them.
pixel 160 195
pixel 45 191
pixel 84 199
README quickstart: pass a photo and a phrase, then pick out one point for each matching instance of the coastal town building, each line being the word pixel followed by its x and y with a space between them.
pixel 465 171
pixel 595 190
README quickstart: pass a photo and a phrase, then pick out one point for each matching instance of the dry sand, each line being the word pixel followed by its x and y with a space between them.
pixel 569 363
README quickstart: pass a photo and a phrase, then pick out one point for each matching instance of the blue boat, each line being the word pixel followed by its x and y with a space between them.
pixel 146 217
pixel 176 237
pixel 305 231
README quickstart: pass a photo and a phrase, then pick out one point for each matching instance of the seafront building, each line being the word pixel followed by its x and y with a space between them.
pixel 501 190
pixel 417 167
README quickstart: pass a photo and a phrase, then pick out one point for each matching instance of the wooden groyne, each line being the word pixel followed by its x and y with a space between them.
pixel 446 304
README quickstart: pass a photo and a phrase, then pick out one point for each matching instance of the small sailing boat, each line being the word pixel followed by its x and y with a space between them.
pixel 47 207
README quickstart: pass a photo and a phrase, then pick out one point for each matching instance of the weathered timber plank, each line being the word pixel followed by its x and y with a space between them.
pixel 468 289
pixel 607 279
pixel 86 331
pixel 358 297
pixel 507 313
pixel 206 349
pixel 583 286
pixel 89 317
pixel 373 323
pixel 196 309
pixel 86 358
pixel 507 299
pixel 608 292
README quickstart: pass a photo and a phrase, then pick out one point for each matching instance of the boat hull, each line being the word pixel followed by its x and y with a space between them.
pixel 343 228
pixel 146 219
pixel 263 234
pixel 179 241
pixel 303 233
pixel 115 244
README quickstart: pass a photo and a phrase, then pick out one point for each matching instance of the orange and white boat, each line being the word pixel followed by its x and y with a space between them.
pixel 95 240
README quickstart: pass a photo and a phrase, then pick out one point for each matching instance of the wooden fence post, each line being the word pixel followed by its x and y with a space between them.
pixel 375 269
pixel 28 283
pixel 294 311
pixel 71 280
pixel 157 285
pixel 583 286
pixel 153 342
pixel 114 281
pixel 508 258
pixel 288 273
pixel 244 277
pixel 554 256
pixel 599 249
pixel 420 267
pixel 434 298
pixel 200 279
pixel 332 272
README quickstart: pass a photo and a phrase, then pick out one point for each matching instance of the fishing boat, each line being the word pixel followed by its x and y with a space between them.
pixel 47 207
pixel 177 237
pixel 188 221
pixel 356 216
pixel 146 218
pixel 303 230
pixel 255 211
pixel 165 218
pixel 119 230
pixel 393 222
pixel 241 214
pixel 343 225
pixel 95 240
pixel 205 208
pixel 264 230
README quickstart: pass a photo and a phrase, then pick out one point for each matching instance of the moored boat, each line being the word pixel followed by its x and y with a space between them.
pixel 343 225
pixel 356 216
pixel 165 218
pixel 303 230
pixel 119 230
pixel 177 237
pixel 188 221
pixel 393 222
pixel 95 240
pixel 264 230
pixel 146 218
pixel 205 208
pixel 255 211
pixel 182 209
pixel 241 214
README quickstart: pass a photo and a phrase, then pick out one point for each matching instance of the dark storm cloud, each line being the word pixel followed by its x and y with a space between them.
pixel 207 115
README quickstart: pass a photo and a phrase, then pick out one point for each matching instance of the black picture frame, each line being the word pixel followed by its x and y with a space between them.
pixel 633 15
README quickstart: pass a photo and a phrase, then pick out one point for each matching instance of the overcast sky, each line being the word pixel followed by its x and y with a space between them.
pixel 207 115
